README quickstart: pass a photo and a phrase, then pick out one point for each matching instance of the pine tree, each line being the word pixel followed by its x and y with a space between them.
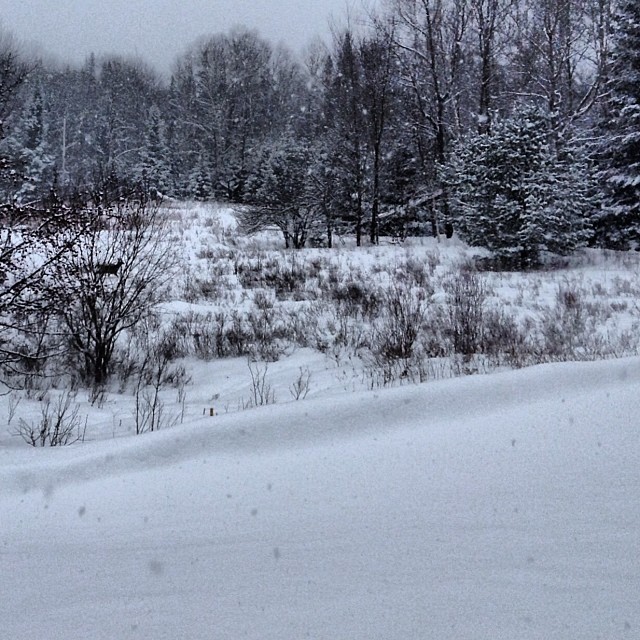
pixel 619 224
pixel 516 196
pixel 28 152
pixel 154 169
pixel 200 185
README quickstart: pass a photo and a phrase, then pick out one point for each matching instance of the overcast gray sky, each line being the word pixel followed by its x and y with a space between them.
pixel 158 30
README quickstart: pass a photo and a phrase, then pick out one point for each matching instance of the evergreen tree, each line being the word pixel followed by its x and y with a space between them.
pixel 73 117
pixel 619 223
pixel 28 152
pixel 401 204
pixel 376 59
pixel 516 196
pixel 223 107
pixel 200 185
pixel 154 169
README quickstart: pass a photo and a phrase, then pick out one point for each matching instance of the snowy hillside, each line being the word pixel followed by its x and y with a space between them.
pixel 491 507
pixel 339 344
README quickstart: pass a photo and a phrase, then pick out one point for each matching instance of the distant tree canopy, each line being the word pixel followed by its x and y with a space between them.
pixel 362 135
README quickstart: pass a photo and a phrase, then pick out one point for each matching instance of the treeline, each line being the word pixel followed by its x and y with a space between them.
pixel 514 122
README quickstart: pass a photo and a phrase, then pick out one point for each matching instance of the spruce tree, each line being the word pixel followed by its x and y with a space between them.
pixel 28 152
pixel 200 185
pixel 618 225
pixel 154 169
pixel 516 196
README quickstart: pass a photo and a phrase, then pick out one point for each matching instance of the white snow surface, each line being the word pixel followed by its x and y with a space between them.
pixel 492 507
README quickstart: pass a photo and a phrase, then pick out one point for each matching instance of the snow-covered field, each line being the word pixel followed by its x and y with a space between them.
pixel 482 507
pixel 501 506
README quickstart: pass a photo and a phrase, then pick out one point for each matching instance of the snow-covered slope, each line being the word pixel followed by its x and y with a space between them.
pixel 493 507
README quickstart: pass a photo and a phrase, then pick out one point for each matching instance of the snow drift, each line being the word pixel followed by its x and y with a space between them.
pixel 503 506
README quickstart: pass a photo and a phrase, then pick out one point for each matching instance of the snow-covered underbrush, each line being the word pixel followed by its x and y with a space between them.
pixel 414 311
pixel 248 323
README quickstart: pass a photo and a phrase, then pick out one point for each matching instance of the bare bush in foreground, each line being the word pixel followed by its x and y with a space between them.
pixel 59 424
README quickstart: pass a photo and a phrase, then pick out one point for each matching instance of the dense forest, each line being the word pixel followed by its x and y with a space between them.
pixel 512 122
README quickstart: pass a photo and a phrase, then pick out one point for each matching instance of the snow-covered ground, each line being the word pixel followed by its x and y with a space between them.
pixel 492 507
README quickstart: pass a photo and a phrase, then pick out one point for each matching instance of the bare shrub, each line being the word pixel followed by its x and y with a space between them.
pixel 357 299
pixel 30 350
pixel 381 373
pixel 328 279
pixel 288 281
pixel 179 335
pixel 267 329
pixel 198 288
pixel 466 297
pixel 156 372
pixel 285 276
pixel 97 396
pixel 150 412
pixel 397 330
pixel 563 326
pixel 218 334
pixel 14 401
pixel 340 332
pixel 302 327
pixel 300 388
pixel 261 391
pixel 434 340
pixel 417 271
pixel 248 272
pixel 34 239
pixel 504 341
pixel 238 338
pixel 625 343
pixel 131 357
pixel 208 334
pixel 393 354
pixel 59 423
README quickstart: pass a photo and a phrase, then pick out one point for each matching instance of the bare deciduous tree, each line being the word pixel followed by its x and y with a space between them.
pixel 491 35
pixel 430 41
pixel 112 280
pixel 33 241
pixel 13 73
pixel 376 58
pixel 560 50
